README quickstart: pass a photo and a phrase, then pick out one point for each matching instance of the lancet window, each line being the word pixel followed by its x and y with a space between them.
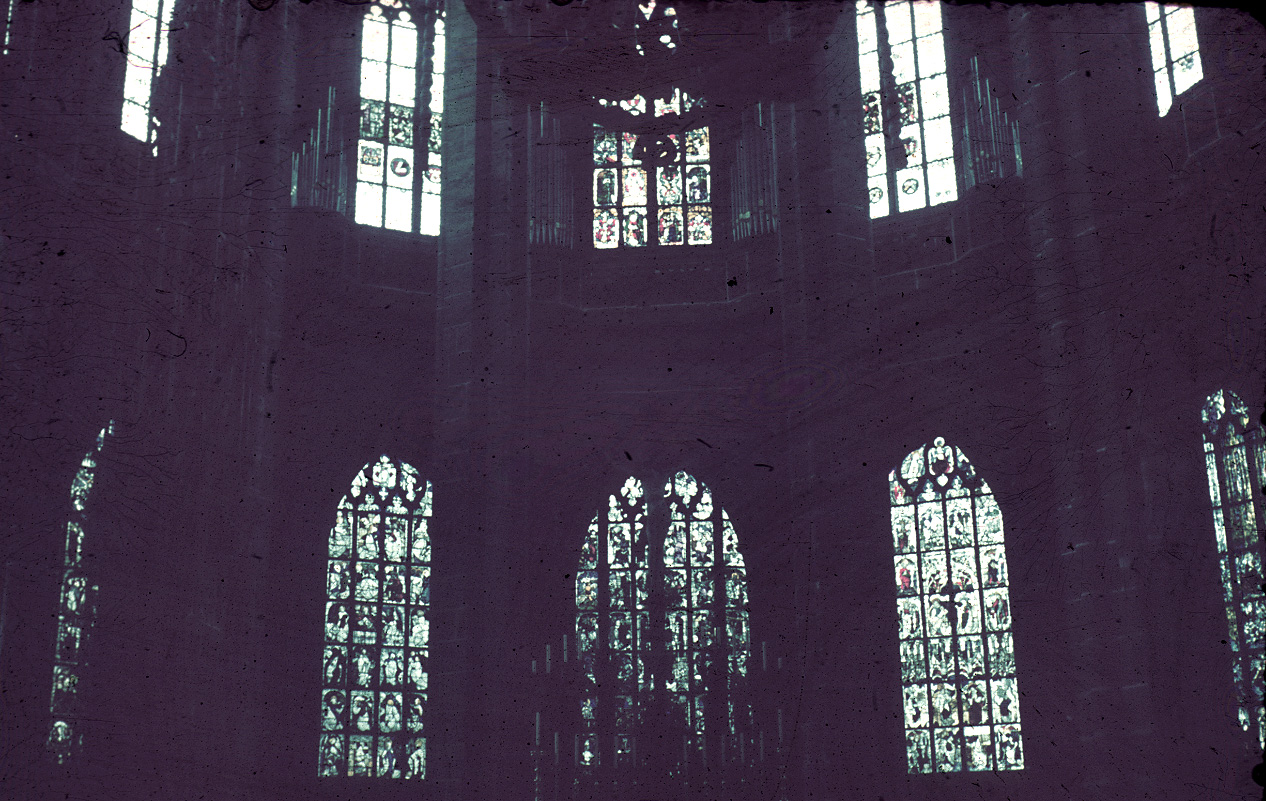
pixel 1235 462
pixel 377 627
pixel 76 612
pixel 958 667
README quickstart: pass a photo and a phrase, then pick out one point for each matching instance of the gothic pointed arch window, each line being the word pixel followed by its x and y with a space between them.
pixel 146 53
pixel 1235 462
pixel 652 174
pixel 662 622
pixel 398 152
pixel 1171 32
pixel 905 106
pixel 377 626
pixel 958 670
pixel 76 613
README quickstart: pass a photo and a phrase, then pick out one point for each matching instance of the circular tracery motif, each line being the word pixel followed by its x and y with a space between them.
pixel 656 151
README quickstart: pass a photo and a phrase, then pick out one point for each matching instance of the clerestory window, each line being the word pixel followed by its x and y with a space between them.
pixel 146 57
pixel 905 106
pixel 398 165
pixel 1171 31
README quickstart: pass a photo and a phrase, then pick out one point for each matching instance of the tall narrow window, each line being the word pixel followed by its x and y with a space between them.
pixel 905 111
pixel 1235 460
pixel 398 166
pixel 962 709
pixel 8 25
pixel 1171 30
pixel 662 615
pixel 652 179
pixel 76 613
pixel 146 57
pixel 378 588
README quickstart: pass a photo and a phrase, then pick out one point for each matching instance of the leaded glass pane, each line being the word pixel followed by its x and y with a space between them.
pixel 699 225
pixel 931 56
pixel 635 227
pixel 605 228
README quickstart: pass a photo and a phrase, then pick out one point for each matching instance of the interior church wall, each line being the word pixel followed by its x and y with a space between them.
pixel 255 356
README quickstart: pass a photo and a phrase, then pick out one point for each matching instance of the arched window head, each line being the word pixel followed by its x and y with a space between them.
pixel 146 57
pixel 398 162
pixel 662 618
pixel 1171 31
pixel 1235 461
pixel 905 109
pixel 76 612
pixel 958 673
pixel 377 624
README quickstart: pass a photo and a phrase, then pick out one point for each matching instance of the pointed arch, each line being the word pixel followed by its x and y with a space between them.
pixel 377 626
pixel 1235 462
pixel 662 618
pixel 76 613
pixel 957 656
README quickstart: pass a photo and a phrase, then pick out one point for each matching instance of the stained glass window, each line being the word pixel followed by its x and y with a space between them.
pixel 1235 461
pixel 146 57
pixel 694 653
pixel 398 152
pixel 958 670
pixel 911 102
pixel 76 613
pixel 1171 31
pixel 652 185
pixel 652 190
pixel 377 626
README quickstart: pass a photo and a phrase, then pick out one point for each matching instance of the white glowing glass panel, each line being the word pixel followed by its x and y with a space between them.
pixel 76 614
pixel 1175 51
pixel 374 665
pixel 958 671
pixel 8 26
pixel 671 204
pixel 148 26
pixel 398 162
pixel 917 51
pixel 702 578
pixel 1235 463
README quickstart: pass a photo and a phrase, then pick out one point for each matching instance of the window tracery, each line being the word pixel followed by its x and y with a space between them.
pixel 662 617
pixel 377 627
pixel 958 669
pixel 1171 31
pixel 1235 463
pixel 398 165
pixel 76 614
pixel 905 112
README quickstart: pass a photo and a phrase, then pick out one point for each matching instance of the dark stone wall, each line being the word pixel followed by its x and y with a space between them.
pixel 1062 327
